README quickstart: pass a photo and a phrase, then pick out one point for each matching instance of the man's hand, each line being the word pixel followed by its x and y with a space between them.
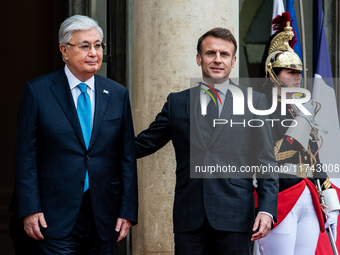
pixel 263 222
pixel 122 226
pixel 31 225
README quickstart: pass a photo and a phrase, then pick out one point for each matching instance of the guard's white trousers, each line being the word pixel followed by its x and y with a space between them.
pixel 297 234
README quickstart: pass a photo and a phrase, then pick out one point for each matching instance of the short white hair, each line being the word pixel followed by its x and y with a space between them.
pixel 74 23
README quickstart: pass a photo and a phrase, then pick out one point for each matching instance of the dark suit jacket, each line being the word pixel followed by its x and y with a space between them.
pixel 227 202
pixel 51 157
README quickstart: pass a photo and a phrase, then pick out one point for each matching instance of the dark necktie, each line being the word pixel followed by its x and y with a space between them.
pixel 85 119
pixel 212 109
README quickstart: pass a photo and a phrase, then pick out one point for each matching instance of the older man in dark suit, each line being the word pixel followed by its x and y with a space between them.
pixel 75 161
pixel 215 215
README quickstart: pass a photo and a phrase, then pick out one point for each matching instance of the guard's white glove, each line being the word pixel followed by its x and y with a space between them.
pixel 311 107
pixel 332 222
pixel 305 124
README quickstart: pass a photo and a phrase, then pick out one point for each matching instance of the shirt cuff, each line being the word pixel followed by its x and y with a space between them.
pixel 268 214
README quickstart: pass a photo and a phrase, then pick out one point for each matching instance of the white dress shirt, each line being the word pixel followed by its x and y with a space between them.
pixel 75 91
pixel 205 97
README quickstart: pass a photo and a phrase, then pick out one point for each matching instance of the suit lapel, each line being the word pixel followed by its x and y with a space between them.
pixel 194 111
pixel 226 113
pixel 102 95
pixel 61 90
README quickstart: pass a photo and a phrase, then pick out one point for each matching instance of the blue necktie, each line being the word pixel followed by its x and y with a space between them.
pixel 85 118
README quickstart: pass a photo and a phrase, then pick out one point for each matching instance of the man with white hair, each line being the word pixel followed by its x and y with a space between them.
pixel 76 175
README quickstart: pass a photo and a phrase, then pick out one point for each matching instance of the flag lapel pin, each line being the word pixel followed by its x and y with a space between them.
pixel 105 91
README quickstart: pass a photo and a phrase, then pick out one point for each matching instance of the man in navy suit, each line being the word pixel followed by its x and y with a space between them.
pixel 76 176
pixel 214 214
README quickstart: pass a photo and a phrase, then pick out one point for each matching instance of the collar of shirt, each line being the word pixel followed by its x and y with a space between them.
pixel 74 81
pixel 205 98
pixel 221 87
pixel 75 92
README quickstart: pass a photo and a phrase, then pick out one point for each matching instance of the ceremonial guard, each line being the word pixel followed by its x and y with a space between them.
pixel 300 217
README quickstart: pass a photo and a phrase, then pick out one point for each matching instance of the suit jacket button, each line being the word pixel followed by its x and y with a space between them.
pixel 88 157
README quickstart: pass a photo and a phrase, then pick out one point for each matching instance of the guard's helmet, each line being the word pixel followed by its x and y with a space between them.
pixel 281 54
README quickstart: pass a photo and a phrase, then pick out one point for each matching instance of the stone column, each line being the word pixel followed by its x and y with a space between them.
pixel 164 39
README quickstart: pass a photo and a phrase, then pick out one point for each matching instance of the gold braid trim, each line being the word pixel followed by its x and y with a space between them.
pixel 326 184
pixel 277 146
pixel 313 160
pixel 282 155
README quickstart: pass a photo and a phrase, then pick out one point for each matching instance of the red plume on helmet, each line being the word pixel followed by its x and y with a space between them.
pixel 279 23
